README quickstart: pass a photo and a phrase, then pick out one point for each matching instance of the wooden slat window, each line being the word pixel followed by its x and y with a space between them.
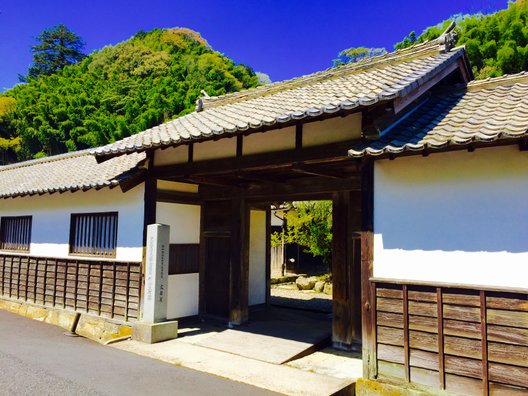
pixel 15 233
pixel 93 234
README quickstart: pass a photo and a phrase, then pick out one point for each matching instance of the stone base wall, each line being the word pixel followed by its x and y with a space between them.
pixel 95 328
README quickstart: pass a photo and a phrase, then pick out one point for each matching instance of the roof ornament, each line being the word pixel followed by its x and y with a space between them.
pixel 447 40
pixel 199 101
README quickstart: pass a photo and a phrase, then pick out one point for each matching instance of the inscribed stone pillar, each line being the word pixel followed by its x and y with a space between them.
pixel 156 274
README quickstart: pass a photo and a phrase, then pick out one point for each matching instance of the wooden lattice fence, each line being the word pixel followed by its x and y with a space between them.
pixel 106 288
pixel 466 341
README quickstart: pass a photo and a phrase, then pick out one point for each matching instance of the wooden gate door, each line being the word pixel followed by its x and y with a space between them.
pixel 216 256
pixel 224 270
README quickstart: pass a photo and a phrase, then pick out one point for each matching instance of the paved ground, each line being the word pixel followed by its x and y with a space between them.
pixel 37 359
pixel 287 295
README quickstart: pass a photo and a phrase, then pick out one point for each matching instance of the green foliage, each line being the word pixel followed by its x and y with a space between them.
pixel 352 55
pixel 58 47
pixel 496 44
pixel 118 91
pixel 309 224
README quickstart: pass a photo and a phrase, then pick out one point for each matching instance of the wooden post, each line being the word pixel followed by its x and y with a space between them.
pixel 239 268
pixel 368 302
pixel 268 256
pixel 484 343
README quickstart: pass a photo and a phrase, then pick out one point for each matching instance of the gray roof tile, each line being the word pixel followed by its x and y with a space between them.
pixel 485 111
pixel 342 88
pixel 66 172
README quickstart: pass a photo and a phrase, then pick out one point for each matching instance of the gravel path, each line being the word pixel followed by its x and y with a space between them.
pixel 287 295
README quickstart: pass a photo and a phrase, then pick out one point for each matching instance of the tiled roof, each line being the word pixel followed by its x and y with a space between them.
pixel 66 172
pixel 483 112
pixel 342 88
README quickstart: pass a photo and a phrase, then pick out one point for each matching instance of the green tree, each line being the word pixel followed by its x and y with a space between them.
pixel 118 91
pixel 308 224
pixel 496 43
pixel 353 54
pixel 57 48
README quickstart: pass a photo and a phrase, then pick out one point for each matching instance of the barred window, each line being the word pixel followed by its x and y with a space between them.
pixel 15 233
pixel 93 234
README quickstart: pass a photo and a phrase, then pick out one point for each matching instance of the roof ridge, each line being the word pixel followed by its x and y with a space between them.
pixel 492 82
pixel 416 50
pixel 51 158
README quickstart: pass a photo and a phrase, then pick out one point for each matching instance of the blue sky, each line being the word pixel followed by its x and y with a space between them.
pixel 284 39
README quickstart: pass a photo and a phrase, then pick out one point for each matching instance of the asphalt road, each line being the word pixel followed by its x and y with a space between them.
pixel 38 359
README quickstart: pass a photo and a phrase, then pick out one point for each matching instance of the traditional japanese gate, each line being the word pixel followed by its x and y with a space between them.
pixel 229 188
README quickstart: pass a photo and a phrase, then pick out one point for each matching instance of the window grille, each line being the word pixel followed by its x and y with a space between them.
pixel 15 233
pixel 93 234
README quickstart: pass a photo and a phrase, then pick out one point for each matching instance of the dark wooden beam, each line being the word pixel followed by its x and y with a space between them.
pixel 290 189
pixel 274 160
pixel 299 136
pixel 177 197
pixel 318 171
pixel 149 215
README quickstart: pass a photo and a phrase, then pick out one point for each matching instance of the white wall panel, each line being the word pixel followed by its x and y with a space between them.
pixel 453 217
pixel 51 219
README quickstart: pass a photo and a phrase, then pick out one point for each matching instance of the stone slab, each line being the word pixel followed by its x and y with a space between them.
pixel 276 336
pixel 100 329
pixel 152 333
pixel 278 378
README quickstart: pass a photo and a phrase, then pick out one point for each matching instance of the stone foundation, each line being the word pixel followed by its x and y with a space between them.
pixel 95 328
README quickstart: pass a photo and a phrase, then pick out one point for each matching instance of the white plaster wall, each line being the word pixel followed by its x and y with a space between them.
pixel 183 296
pixel 184 222
pixel 257 257
pixel 215 149
pixel 265 142
pixel 171 155
pixel 332 130
pixel 455 217
pixel 51 219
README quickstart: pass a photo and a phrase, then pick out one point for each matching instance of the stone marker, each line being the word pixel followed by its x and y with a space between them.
pixel 154 326
pixel 156 274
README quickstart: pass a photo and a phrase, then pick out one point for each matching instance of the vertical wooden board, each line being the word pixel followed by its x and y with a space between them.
pixel 369 317
pixel 511 375
pixel 463 385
